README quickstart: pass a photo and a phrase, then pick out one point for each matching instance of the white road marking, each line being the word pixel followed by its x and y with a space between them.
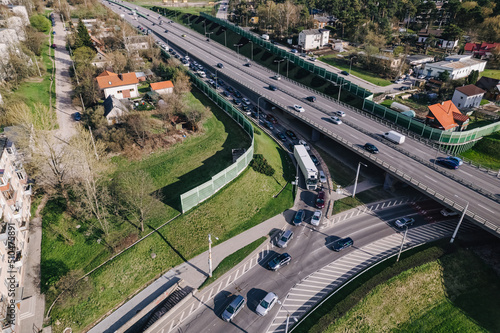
pixel 485 208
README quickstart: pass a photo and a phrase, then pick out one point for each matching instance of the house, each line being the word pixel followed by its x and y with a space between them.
pixel 118 85
pixel 491 86
pixel 100 60
pixel 480 50
pixel 389 60
pixel 337 45
pixel 468 96
pixel 418 59
pixel 320 21
pixel 424 34
pixel 114 110
pixel 135 43
pixel 459 66
pixel 446 116
pixel 313 38
pixel 163 87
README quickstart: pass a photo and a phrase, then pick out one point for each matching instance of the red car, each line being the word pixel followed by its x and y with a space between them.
pixel 271 118
pixel 53 46
pixel 320 200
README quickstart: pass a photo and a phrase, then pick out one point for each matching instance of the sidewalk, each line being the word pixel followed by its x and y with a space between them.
pixel 193 272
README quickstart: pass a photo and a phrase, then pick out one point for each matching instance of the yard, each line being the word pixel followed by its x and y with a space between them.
pixel 486 152
pixel 492 73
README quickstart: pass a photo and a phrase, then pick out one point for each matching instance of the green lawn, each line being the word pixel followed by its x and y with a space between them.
pixel 242 204
pixel 457 293
pixel 486 152
pixel 361 73
pixel 492 73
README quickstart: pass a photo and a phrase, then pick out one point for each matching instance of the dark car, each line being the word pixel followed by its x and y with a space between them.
pixel 371 148
pixel 299 217
pixel 314 159
pixel 245 107
pixel 446 163
pixel 280 261
pixel 344 73
pixel 225 93
pixel 237 94
pixel 77 116
pixel 53 46
pixel 271 118
pixel 320 200
pixel 291 135
pixel 282 136
pixel 273 88
pixel 236 101
pixel 248 64
pixel 403 88
pixel 311 98
pixel 342 244
pixel 230 89
pixel 220 65
pixel 166 30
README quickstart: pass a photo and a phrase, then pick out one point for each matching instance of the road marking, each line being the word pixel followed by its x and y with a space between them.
pixel 485 208
pixel 431 179
pixel 191 309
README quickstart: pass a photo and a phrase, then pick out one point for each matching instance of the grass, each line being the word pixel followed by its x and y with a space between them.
pixel 486 152
pixel 242 204
pixel 387 103
pixel 492 73
pixel 232 260
pixel 361 73
pixel 484 102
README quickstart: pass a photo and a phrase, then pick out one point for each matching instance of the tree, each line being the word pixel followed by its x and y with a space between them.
pixel 444 76
pixel 83 56
pixel 452 32
pixel 473 77
pixel 182 83
pixel 118 61
pixel 82 36
pixel 34 40
pixel 490 29
pixel 40 23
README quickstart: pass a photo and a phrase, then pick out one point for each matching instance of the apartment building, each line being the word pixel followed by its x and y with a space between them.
pixel 15 204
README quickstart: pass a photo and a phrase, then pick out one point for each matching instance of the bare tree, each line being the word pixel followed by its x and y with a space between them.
pixel 182 83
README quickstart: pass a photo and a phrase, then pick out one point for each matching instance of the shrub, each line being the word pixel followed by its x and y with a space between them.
pixel 260 164
pixel 40 23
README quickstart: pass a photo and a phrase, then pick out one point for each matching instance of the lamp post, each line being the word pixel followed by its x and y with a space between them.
pixel 251 54
pixel 340 89
pixel 357 174
pixel 287 316
pixel 278 62
pixel 238 47
pixel 210 254
pixel 209 33
pixel 350 64
pixel 459 222
pixel 258 108
pixel 402 243
pixel 225 42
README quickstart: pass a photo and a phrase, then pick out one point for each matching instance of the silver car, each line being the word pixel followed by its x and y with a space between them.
pixel 232 309
pixel 316 218
pixel 285 238
pixel 266 304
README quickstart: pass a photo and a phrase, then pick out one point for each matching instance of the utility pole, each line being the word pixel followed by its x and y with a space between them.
pixel 356 182
pixel 210 254
pixel 459 222
pixel 402 243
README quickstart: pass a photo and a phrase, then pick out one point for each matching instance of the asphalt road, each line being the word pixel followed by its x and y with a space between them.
pixel 257 79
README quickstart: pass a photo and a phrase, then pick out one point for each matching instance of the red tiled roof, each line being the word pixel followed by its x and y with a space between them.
pixel 109 79
pixel 470 47
pixel 161 85
pixel 460 117
pixel 471 90
pixel 444 114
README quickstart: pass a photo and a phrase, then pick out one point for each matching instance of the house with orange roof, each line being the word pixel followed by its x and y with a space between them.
pixel 447 117
pixel 163 87
pixel 118 85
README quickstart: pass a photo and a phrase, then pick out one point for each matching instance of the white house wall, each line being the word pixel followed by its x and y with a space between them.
pixel 117 92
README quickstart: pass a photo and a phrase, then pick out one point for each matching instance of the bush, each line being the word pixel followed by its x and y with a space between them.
pixel 40 23
pixel 260 164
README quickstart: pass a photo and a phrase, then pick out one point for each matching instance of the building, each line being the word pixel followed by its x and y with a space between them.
pixel 480 50
pixel 424 34
pixel 468 96
pixel 118 85
pixel 313 38
pixel 100 60
pixel 15 204
pixel 320 21
pixel 163 87
pixel 338 45
pixel 418 59
pixel 136 43
pixel 114 110
pixel 459 66
pixel 491 86
pixel 446 116
pixel 389 60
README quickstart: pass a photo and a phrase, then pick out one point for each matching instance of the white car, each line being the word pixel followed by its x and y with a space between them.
pixel 421 76
pixel 316 218
pixel 448 212
pixel 277 77
pixel 399 81
pixel 312 58
pixel 266 304
pixel 298 108
pixel 201 74
pixel 340 113
pixel 306 146
pixel 336 120
pixel 245 101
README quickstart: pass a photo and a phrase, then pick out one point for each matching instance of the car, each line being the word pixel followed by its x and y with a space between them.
pixel 177 56
pixel 448 212
pixel 170 50
pixel 399 81
pixel 220 65
pixel 271 119
pixel 291 135
pixel 458 161
pixel 231 90
pixel 344 73
pixel 298 108
pixel 277 77
pixel 53 46
pixel 443 161
pixel 201 74
pixel 208 39
pixel 322 177
pixel 306 146
pixel 312 58
pixel 285 237
pixel 299 217
pixel 314 159
pixel 248 64
pixel 404 222
pixel 320 200
pixel 185 62
pixel 311 98
pixel 273 88
pixel 233 308
pixel 343 243
pixel 236 101
pixel 266 304
pixel 281 136
pixel 245 107
pixel 183 35
pixel 237 94
pixel 294 51
pixel 226 93
pixel 154 24
pixel 339 113
pixel 316 218
pixel 371 148
pixel 403 88
pixel 77 116
pixel 336 120
pixel 53 32
pixel 279 261
pixel 421 76
pixel 269 125
pixel 186 58
pixel 245 101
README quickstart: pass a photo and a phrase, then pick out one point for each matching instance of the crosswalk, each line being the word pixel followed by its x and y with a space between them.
pixel 315 287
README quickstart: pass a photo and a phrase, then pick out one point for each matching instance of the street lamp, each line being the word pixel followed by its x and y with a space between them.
pixel 402 243
pixel 238 46
pixel 357 174
pixel 459 222
pixel 258 108
pixel 251 54
pixel 278 62
pixel 287 316
pixel 350 64
pixel 210 254
pixel 340 88
pixel 209 33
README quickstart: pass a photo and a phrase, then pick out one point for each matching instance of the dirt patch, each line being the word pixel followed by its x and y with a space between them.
pixel 35 79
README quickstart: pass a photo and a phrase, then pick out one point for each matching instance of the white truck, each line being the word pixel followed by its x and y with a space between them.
pixel 307 166
pixel 265 37
pixel 394 137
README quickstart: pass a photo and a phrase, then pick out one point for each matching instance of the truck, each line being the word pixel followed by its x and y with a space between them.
pixel 265 37
pixel 394 137
pixel 307 166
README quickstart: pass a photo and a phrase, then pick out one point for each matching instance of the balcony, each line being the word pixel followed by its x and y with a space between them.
pixel 28 189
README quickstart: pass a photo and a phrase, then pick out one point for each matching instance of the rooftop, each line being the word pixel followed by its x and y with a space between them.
pixel 109 79
pixel 471 90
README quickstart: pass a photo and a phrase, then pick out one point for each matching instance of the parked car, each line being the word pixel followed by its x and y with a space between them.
pixel 371 148
pixel 320 200
pixel 220 65
pixel 233 308
pixel 403 88
pixel 285 237
pixel 443 161
pixel 299 217
pixel 448 212
pixel 269 125
pixel 336 120
pixel 398 81
pixel 237 94
pixel 183 35
pixel 322 177
pixel 53 46
pixel 77 116
pixel 266 304
pixel 343 243
pixel 282 136
pixel 245 101
pixel 458 161
pixel 236 101
pixel 272 88
pixel 316 218
pixel 271 118
pixel 312 58
pixel 291 135
pixel 404 222
pixel 344 73
pixel 311 98
pixel 339 113
pixel 314 159
pixel 226 93
pixel 298 108
pixel 279 261
pixel 421 76
pixel 294 51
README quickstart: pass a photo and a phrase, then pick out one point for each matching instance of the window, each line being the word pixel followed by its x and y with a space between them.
pixel 119 91
pixel 20 175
